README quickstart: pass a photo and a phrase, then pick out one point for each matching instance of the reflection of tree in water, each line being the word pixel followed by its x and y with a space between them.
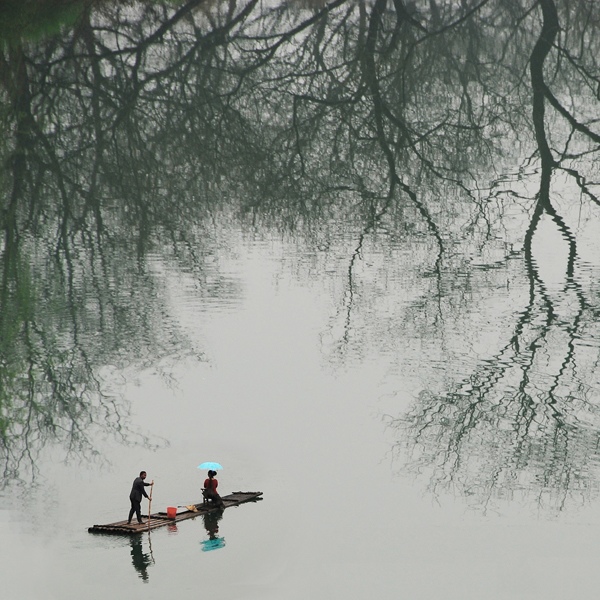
pixel 386 138
pixel 141 560
pixel 82 263
pixel 524 420
pixel 527 418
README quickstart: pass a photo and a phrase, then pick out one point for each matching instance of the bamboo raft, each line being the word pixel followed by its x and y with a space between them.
pixel 161 519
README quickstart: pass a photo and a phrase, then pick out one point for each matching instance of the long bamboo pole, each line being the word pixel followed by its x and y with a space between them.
pixel 150 503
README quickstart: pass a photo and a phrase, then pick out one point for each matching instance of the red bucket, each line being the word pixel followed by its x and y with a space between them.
pixel 171 512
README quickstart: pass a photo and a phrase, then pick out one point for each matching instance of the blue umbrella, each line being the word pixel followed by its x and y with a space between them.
pixel 212 466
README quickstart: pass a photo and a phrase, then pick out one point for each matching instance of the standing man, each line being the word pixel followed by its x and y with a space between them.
pixel 137 491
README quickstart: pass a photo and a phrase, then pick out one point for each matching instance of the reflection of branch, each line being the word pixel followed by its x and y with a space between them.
pixel 380 111
pixel 349 301
pixel 583 186
pixel 570 118
pixel 543 46
pixel 270 51
pixel 536 65
pixel 468 14
pixel 573 60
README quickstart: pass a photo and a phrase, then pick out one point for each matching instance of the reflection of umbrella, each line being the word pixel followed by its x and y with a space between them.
pixel 213 466
pixel 214 544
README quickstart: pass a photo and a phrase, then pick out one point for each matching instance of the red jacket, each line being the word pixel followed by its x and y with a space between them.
pixel 211 484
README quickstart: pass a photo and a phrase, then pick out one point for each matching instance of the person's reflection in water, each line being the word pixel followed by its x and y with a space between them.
pixel 211 524
pixel 140 559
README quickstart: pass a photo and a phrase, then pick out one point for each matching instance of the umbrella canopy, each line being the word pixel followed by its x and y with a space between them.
pixel 212 466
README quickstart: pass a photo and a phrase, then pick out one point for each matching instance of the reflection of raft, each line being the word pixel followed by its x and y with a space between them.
pixel 160 519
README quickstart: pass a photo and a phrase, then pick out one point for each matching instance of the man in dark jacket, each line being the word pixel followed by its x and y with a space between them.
pixel 137 491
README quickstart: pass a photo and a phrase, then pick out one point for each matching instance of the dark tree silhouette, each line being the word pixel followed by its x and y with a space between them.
pixel 415 150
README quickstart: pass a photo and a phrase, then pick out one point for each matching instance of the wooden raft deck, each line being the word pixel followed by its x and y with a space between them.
pixel 160 519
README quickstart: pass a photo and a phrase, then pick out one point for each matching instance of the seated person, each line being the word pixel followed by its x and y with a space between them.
pixel 210 489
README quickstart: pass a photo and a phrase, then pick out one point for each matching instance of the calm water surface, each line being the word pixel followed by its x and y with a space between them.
pixel 340 516
pixel 348 250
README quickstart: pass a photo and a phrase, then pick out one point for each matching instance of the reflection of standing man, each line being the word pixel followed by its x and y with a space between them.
pixel 140 559
pixel 137 491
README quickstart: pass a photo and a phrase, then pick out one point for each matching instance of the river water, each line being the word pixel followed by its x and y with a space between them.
pixel 340 517
pixel 349 252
